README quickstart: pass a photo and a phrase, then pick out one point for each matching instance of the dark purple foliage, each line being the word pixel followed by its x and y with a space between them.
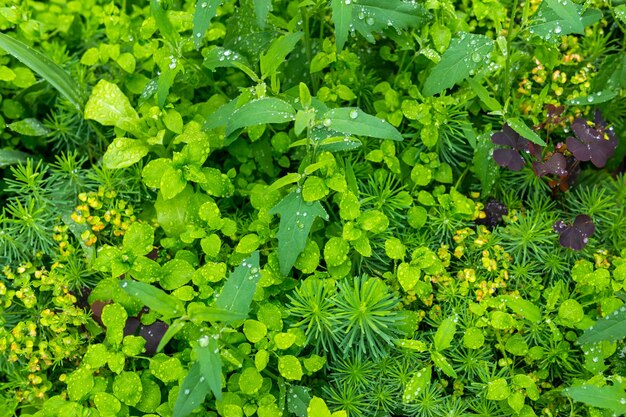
pixel 153 334
pixel 494 210
pixel 592 141
pixel 132 324
pixel 555 165
pixel 509 157
pixel 575 236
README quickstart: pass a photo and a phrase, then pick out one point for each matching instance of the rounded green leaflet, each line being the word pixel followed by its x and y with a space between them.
pixel 284 340
pixel 498 390
pixel 421 175
pixel 127 388
pixel 314 363
pixel 314 189
pixel 254 330
pixel 516 345
pixel 417 216
pixel 290 368
pixel 571 312
pixel 270 315
pixel 250 381
pixel 473 338
pixel 309 259
pixel 166 369
pixel 501 320
pixel 106 403
pixel 261 359
pixel 79 384
pixel 248 244
pixel 394 248
pixel 336 251
pixel 176 273
pixel 150 395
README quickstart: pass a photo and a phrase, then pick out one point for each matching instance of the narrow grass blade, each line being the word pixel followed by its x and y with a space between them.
pixel 46 68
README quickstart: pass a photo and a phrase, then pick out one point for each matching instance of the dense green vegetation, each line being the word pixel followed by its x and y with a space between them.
pixel 346 208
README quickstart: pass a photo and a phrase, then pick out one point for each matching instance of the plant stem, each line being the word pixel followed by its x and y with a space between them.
pixel 506 82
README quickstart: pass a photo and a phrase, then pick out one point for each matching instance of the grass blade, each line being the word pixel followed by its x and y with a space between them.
pixel 46 68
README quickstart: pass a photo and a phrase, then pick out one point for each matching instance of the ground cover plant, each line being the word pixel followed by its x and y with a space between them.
pixel 347 208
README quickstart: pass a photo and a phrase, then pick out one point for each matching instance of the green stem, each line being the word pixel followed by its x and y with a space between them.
pixel 506 82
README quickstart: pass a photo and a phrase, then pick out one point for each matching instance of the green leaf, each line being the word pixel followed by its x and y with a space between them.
pixel 609 397
pixel 164 83
pixel 208 354
pixel 164 304
pixel 556 18
pixel 202 313
pixel 163 22
pixel 498 390
pixel 522 307
pixel 520 127
pixel 445 333
pixel 124 152
pixel 482 93
pixel 29 127
pixel 138 239
pixel 353 121
pixel 610 328
pixel 79 383
pixel 11 156
pixel 290 368
pixel 46 69
pixel 442 363
pixel 205 11
pixel 298 400
pixel 263 110
pixel 127 388
pixel 466 54
pixel 114 318
pixel 296 219
pixel 219 57
pixel 342 17
pixel 262 9
pixel 172 214
pixel 172 331
pixel 109 106
pixel 277 52
pixel 594 98
pixel 237 293
pixel 418 382
pixel 192 392
pixel 620 13
pixel 485 168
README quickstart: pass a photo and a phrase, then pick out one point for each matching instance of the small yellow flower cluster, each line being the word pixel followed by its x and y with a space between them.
pixel 45 334
pixel 100 210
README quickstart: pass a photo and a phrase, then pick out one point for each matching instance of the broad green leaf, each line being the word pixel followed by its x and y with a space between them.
pixel 296 219
pixel 466 54
pixel 520 127
pixel 219 57
pixel 418 382
pixel 79 383
pixel 522 307
pixel 208 354
pixel 262 9
pixel 610 328
pixel 594 98
pixel 485 168
pixel 240 286
pixel 192 392
pixel 498 390
pixel 172 214
pixel 286 180
pixel 445 334
pixel 290 368
pixel 482 93
pixel 125 388
pixel 205 11
pixel 124 152
pixel 442 363
pixel 200 313
pixel 620 13
pixel 338 144
pixel 11 156
pixel 114 318
pixel 277 52
pixel 29 127
pixel 260 111
pixel 556 18
pixel 609 397
pixel 109 106
pixel 298 400
pixel 156 299
pixel 342 17
pixel 353 121
pixel 164 83
pixel 163 22
pixel 46 69
pixel 138 239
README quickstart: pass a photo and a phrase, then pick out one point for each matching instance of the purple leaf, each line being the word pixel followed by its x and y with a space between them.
pixel 555 165
pixel 575 236
pixel 592 141
pixel 153 334
pixel 509 158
